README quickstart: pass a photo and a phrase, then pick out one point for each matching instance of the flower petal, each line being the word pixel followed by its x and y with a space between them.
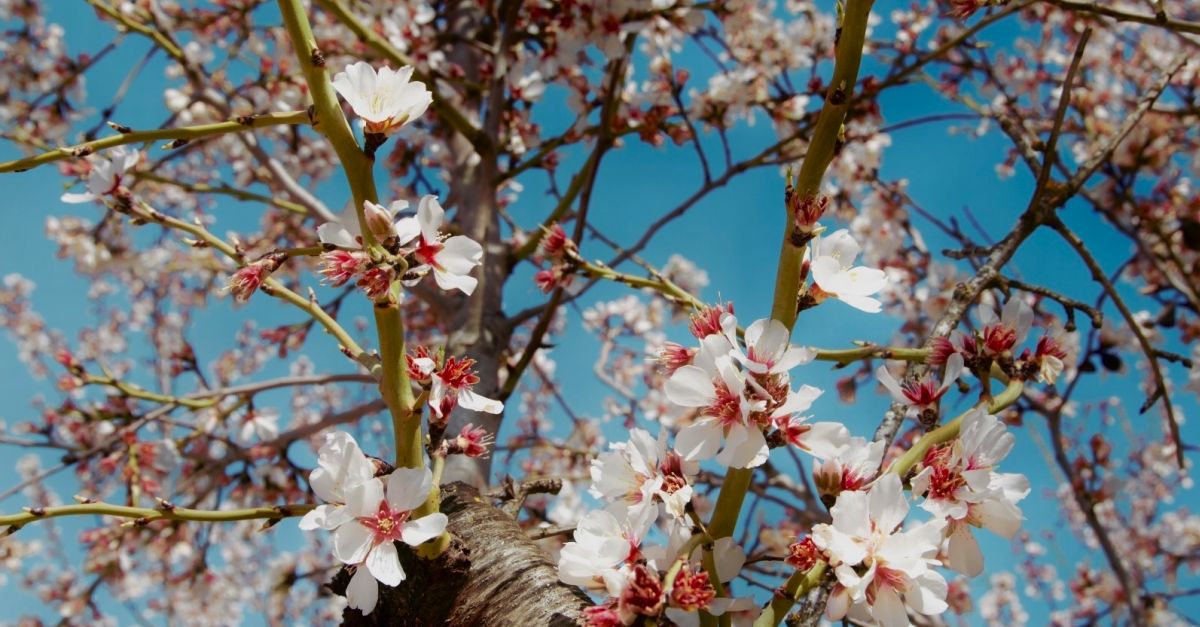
pixel 351 542
pixel 424 528
pixel 363 591
pixel 408 488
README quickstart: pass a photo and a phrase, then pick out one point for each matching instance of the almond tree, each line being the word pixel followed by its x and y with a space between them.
pixel 384 150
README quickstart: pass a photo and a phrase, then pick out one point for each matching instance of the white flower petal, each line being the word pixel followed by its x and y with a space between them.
pixel 351 542
pixel 363 591
pixel 384 564
pixel 690 386
pixel 424 528
pixel 408 488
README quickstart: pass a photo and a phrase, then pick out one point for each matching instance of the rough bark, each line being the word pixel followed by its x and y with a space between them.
pixel 492 575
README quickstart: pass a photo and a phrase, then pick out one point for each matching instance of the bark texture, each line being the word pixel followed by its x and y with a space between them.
pixel 491 575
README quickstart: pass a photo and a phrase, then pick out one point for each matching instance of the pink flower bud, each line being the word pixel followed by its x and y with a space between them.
pixel 247 279
pixel 674 356
pixel 555 243
pixel 471 441
pixel 806 211
pixel 376 281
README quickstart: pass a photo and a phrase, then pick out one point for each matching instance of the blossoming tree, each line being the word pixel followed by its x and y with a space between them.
pixel 405 404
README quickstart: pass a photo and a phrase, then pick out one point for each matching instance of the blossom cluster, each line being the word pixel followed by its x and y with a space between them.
pixel 368 514
pixel 743 402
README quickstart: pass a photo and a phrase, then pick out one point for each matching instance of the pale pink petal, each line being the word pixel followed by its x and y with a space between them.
pixel 963 551
pixel 363 499
pixel 448 281
pixel 477 402
pixel 460 255
pixel 336 234
pixel 745 447
pixel 698 441
pixel 888 609
pixel 887 503
pixel 430 215
pixel 78 198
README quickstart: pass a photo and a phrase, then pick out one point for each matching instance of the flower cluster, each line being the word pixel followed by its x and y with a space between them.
pixel 368 515
pixel 451 384
pixel 418 240
pixel 998 341
pixel 742 391
pixel 610 554
pixel 883 571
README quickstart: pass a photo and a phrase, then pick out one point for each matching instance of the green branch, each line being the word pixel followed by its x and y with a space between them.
pixel 186 133
pixel 141 515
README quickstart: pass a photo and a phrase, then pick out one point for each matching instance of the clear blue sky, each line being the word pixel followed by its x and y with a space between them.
pixel 732 235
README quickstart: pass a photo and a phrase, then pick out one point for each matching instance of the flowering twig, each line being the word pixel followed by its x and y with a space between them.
pixel 1011 393
pixel 1179 26
pixel 142 515
pixel 182 134
pixel 224 190
pixel 357 166
pixel 271 286
pixel 134 391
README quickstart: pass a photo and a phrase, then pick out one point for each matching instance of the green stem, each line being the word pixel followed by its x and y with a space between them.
pixel 845 357
pixel 134 391
pixel 849 48
pixel 397 392
pixel 224 190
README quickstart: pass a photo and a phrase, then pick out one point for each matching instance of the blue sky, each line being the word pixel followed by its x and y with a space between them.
pixel 732 235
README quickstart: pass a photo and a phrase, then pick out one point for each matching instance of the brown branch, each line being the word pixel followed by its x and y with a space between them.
pixel 1151 355
pixel 1162 21
pixel 1085 504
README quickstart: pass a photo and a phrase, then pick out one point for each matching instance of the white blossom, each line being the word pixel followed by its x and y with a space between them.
pixel 380 519
pixel 961 485
pixel 881 570
pixel 386 100
pixel 451 259
pixel 834 273
pixel 341 465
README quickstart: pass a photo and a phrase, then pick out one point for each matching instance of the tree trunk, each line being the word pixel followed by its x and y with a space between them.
pixel 493 574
